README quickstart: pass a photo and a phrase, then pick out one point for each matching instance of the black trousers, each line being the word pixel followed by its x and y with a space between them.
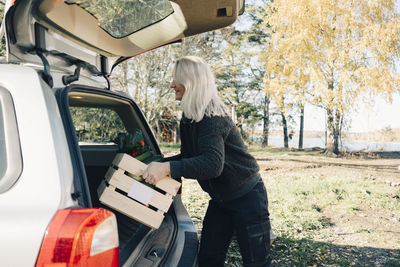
pixel 246 216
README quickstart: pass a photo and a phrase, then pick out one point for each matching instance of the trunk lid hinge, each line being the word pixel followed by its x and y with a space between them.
pixel 67 79
pixel 40 48
pixel 104 70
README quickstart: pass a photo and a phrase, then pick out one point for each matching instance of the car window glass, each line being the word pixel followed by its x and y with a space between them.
pixel 122 18
pixel 97 125
pixel 3 152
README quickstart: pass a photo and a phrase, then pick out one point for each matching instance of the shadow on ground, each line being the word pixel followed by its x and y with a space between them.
pixel 290 252
pixel 304 252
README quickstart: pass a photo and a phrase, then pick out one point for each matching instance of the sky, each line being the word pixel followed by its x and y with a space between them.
pixel 374 117
pixel 379 116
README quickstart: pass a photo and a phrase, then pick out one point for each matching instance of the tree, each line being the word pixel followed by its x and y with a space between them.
pixel 300 99
pixel 229 73
pixel 346 49
pixel 2 41
pixel 263 99
pixel 257 41
pixel 147 79
pixel 280 85
pixel 279 91
pixel 240 74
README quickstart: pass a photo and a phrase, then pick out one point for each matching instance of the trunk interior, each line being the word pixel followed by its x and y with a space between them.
pixel 131 233
pixel 106 125
pixel 97 161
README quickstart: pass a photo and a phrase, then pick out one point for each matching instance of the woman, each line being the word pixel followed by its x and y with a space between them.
pixel 213 152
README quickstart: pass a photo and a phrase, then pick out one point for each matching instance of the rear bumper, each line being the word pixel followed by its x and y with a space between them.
pixel 184 251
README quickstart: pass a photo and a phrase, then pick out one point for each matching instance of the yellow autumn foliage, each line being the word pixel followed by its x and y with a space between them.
pixel 332 52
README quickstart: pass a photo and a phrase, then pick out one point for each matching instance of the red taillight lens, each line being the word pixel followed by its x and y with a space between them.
pixel 81 237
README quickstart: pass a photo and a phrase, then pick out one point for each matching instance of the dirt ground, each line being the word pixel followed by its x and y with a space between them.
pixel 325 210
pixel 365 235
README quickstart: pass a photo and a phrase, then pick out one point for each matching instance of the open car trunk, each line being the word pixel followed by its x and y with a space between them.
pixel 104 124
pixel 99 35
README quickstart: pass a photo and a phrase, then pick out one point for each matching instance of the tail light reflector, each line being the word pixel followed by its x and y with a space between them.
pixel 80 237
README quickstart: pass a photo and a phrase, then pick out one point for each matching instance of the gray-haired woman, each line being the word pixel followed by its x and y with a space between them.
pixel 213 152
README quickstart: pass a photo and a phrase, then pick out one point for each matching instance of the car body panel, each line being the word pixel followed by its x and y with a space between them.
pixel 56 39
pixel 186 225
pixel 9 143
pixel 46 181
pixel 188 18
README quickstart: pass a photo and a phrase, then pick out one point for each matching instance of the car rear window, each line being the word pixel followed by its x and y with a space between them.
pixel 122 18
pixel 96 125
pixel 109 120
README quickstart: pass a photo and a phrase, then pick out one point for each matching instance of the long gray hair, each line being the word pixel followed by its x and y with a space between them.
pixel 201 94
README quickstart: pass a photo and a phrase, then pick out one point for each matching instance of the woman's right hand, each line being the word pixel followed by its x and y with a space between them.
pixel 156 171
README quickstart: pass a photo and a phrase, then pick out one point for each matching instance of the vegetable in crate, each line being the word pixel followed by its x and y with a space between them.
pixel 142 158
pixel 132 143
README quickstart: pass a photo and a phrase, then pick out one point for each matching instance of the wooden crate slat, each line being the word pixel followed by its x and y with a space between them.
pixel 169 185
pixel 123 182
pixel 136 167
pixel 110 172
pixel 131 208
pixel 129 164
pixel 101 188
pixel 117 179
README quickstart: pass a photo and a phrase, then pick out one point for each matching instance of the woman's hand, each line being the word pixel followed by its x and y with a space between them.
pixel 156 171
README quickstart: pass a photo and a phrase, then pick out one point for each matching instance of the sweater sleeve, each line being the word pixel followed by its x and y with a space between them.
pixel 209 160
pixel 173 158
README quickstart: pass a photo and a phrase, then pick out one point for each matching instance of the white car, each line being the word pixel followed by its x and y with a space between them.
pixel 61 126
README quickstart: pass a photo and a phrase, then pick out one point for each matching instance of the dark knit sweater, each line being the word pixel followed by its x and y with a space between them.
pixel 213 152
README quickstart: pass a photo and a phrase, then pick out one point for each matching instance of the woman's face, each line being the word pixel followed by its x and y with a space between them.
pixel 179 90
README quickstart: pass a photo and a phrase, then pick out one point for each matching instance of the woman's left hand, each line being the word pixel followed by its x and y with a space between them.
pixel 156 171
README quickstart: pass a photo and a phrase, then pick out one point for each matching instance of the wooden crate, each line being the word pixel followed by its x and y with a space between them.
pixel 142 203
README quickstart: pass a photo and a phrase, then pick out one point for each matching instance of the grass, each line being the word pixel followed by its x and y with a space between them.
pixel 325 211
pixel 168 148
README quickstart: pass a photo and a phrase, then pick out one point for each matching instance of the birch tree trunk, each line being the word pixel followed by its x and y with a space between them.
pixel 301 131
pixel 285 131
pixel 265 134
pixel 333 129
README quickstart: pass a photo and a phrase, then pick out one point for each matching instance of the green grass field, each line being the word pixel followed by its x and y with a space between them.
pixel 325 211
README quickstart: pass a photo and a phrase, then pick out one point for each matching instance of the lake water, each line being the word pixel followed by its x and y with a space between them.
pixel 346 145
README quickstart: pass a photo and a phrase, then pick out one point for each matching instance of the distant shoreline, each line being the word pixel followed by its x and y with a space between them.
pixel 345 144
pixel 382 136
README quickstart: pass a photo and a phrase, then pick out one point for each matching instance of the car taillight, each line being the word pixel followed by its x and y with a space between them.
pixel 80 237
